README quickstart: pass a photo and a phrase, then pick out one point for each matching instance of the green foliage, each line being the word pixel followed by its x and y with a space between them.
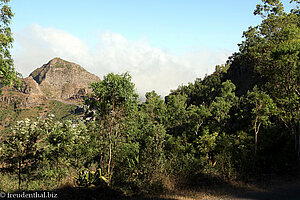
pixel 263 109
pixel 114 103
pixel 202 128
pixel 176 112
pixel 222 68
pixel 273 47
pixel 197 116
pixel 88 178
pixel 234 154
pixel 61 110
pixel 154 106
pixel 8 75
pixel 151 139
pixel 22 151
pixel 222 104
pixel 114 92
pixel 207 143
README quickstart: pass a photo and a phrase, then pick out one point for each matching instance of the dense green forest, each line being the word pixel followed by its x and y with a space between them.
pixel 240 122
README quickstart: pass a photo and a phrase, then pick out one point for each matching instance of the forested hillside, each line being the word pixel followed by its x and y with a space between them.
pixel 241 122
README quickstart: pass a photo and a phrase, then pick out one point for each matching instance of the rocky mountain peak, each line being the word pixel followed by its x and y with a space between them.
pixel 62 79
pixel 57 80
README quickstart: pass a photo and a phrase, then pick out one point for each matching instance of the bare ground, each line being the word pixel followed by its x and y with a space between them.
pixel 279 189
pixel 276 190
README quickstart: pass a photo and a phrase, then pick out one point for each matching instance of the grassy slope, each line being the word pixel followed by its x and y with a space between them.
pixel 9 115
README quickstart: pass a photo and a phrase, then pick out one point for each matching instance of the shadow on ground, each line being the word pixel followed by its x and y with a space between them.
pixel 198 187
pixel 291 192
pixel 78 193
pixel 72 193
pixel 213 187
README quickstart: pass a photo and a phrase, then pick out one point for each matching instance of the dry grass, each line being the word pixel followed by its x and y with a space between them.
pixel 275 188
pixel 229 190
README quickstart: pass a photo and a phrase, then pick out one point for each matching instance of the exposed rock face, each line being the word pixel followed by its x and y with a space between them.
pixel 31 87
pixel 10 99
pixel 62 79
pixel 33 100
pixel 58 79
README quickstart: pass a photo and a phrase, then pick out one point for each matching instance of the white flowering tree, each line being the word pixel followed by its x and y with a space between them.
pixel 66 146
pixel 22 151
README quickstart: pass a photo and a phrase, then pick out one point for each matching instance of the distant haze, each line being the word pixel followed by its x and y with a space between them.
pixel 161 43
pixel 151 68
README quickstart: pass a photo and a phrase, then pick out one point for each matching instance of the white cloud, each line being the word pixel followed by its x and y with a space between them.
pixel 151 68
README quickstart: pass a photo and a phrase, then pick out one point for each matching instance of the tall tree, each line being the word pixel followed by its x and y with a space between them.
pixel 263 109
pixel 154 106
pixel 274 49
pixel 8 75
pixel 114 101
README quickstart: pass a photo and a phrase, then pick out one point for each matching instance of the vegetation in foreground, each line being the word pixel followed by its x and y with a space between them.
pixel 200 133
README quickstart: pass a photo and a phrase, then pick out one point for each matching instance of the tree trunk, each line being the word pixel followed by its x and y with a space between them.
pixel 256 130
pixel 110 154
pixel 295 129
pixel 255 148
pixel 19 174
pixel 110 137
pixel 297 143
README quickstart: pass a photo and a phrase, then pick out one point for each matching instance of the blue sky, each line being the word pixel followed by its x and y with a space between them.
pixel 162 43
pixel 171 24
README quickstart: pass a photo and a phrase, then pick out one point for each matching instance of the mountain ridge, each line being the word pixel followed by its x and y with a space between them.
pixel 57 79
pixel 62 79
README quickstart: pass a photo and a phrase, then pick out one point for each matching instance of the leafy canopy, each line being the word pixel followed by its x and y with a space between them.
pixel 8 75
